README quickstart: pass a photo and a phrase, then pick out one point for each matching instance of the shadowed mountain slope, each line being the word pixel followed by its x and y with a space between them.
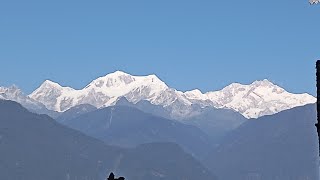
pixel 35 147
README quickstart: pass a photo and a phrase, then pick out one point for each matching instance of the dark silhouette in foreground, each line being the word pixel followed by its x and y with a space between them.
pixel 318 96
pixel 111 177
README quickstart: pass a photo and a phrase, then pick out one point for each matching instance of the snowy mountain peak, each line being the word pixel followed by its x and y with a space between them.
pixel 13 87
pixel 264 82
pixel 258 98
pixel 255 84
pixel 123 76
pixel 252 100
pixel 195 94
pixel 48 88
pixel 119 79
pixel 48 94
pixel 103 91
pixel 117 73
pixel 50 84
pixel 119 83
pixel 115 79
pixel 11 91
pixel 259 86
pixel 231 86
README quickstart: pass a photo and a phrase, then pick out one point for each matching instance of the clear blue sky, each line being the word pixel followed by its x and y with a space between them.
pixel 189 44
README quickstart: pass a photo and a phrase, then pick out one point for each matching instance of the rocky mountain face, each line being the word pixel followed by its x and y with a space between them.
pixel 252 101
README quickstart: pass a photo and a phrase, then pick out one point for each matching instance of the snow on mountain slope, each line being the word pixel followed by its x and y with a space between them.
pixel 52 95
pixel 13 93
pixel 135 88
pixel 105 91
pixel 254 100
pixel 258 99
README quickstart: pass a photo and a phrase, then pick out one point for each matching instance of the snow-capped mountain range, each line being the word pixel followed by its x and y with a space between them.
pixel 254 100
pixel 15 94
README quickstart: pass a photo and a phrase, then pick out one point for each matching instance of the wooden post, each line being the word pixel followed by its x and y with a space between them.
pixel 318 99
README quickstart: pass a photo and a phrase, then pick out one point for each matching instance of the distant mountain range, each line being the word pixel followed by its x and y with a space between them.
pixel 283 146
pixel 13 93
pixel 252 101
pixel 140 140
pixel 214 122
pixel 128 127
pixel 273 147
pixel 36 147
